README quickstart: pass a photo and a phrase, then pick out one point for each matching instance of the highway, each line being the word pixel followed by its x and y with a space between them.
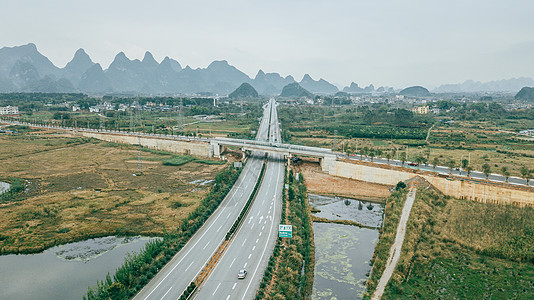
pixel 254 242
pixel 174 278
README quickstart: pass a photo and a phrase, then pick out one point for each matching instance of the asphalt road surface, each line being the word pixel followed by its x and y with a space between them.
pixel 174 278
pixel 254 242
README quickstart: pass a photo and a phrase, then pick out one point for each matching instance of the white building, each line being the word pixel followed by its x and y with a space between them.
pixel 9 110
pixel 76 107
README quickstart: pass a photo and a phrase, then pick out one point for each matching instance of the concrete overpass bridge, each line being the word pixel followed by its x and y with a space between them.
pixel 187 145
pixel 325 155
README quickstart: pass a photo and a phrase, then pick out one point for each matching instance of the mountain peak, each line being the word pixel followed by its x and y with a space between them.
pixel 149 58
pixel 78 65
pixel 218 64
pixel 121 57
pixel 307 77
pixel 260 73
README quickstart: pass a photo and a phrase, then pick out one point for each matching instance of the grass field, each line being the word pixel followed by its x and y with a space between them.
pixel 462 249
pixel 481 141
pixel 81 188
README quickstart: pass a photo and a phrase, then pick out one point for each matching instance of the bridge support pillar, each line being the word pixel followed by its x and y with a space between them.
pixel 216 149
pixel 327 162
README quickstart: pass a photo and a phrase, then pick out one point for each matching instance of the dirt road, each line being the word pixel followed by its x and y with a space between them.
pixel 395 251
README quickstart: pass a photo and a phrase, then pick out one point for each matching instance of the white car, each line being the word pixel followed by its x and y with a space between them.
pixel 242 274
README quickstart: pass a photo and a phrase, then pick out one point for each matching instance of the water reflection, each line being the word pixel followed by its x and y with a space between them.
pixel 64 272
pixel 336 208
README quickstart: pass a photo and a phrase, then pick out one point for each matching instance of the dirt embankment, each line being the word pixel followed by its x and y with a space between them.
pixel 321 183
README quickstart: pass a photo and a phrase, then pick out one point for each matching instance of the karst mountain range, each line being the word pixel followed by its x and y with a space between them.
pixel 25 69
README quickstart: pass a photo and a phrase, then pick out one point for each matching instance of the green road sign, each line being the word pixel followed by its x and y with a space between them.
pixel 285 231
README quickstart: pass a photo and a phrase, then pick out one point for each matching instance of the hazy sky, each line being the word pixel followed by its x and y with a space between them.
pixel 384 42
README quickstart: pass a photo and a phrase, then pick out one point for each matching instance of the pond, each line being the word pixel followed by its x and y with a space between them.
pixel 339 208
pixel 342 260
pixel 66 271
pixel 343 252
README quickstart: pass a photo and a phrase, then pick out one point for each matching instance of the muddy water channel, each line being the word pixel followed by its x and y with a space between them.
pixel 343 252
pixel 64 272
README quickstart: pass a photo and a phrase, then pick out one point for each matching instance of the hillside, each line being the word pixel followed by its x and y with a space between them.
pixel 415 91
pixel 245 90
pixel 294 90
pixel 526 93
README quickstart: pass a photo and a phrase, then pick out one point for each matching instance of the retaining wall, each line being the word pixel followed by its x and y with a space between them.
pixel 175 146
pixel 457 187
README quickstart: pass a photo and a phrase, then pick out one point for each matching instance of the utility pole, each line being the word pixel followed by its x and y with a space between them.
pixel 180 121
pixel 335 140
pixel 139 158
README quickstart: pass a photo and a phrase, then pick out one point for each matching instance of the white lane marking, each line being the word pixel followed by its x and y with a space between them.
pixel 228 297
pixel 166 293
pixel 232 262
pixel 186 255
pixel 252 226
pixel 219 228
pixel 260 233
pixel 233 288
pixel 265 222
pixel 206 245
pixel 253 248
pixel 266 244
pixel 243 243
pixel 216 288
pixel 245 265
pixel 257 241
pixel 249 255
pixel 229 215
pixel 249 220
pixel 263 227
pixel 189 266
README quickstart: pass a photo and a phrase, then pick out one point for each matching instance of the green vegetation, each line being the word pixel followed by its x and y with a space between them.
pixel 526 93
pixel 466 134
pixel 138 269
pixel 462 249
pixel 282 278
pixel 394 204
pixel 294 90
pixel 15 191
pixel 245 90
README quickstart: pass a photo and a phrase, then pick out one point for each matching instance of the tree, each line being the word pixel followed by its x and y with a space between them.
pixel 465 163
pixel 403 158
pixel 505 173
pixel 469 169
pixel 486 169
pixel 388 156
pixel 419 159
pixel 400 185
pixel 435 162
pixel 526 173
pixel 364 151
pixel 371 153
pixel 450 164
